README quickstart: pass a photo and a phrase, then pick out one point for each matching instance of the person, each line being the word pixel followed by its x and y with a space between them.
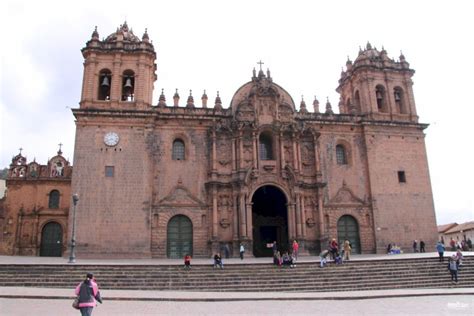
pixel 453 268
pixel 218 261
pixel 323 258
pixel 452 243
pixel 287 260
pixel 459 258
pixel 227 251
pixel 440 248
pixel 422 246
pixel 88 294
pixel 277 258
pixel 333 248
pixel 469 243
pixel 295 247
pixel 242 250
pixel 415 246
pixel 187 261
pixel 389 248
pixel 347 250
pixel 274 247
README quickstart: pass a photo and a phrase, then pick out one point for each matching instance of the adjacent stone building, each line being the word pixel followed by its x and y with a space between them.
pixel 162 180
pixel 34 212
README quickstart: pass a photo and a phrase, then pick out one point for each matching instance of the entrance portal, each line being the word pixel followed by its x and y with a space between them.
pixel 348 229
pixel 270 221
pixel 180 237
pixel 51 240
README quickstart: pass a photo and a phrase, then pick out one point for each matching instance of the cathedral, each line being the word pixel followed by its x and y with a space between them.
pixel 174 178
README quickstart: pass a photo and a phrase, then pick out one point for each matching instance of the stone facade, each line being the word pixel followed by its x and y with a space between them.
pixel 34 215
pixel 361 174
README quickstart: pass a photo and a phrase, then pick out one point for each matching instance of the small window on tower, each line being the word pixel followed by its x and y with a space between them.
pixel 178 150
pixel 401 177
pixel 341 155
pixel 128 86
pixel 109 171
pixel 380 96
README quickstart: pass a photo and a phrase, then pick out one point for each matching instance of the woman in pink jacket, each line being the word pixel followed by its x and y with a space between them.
pixel 88 293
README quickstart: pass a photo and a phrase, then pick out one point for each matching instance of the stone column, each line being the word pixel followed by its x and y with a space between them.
pixel 303 217
pixel 249 220
pixel 255 148
pixel 298 148
pixel 234 158
pixel 295 155
pixel 316 155
pixel 320 213
pixel 298 216
pixel 116 85
pixel 291 220
pixel 243 221
pixel 214 153
pixel 235 217
pixel 214 213
pixel 282 152
pixel 241 150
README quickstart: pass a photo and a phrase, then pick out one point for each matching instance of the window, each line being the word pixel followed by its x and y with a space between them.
pixel 380 96
pixel 341 156
pixel 357 101
pixel 105 82
pixel 399 102
pixel 109 171
pixel 53 199
pixel 401 177
pixel 265 144
pixel 128 86
pixel 178 150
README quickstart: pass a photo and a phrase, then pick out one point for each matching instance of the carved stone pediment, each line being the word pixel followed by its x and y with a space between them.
pixel 180 196
pixel 345 196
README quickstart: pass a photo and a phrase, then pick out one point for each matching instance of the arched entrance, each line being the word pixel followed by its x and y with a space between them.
pixel 270 220
pixel 51 240
pixel 179 237
pixel 348 229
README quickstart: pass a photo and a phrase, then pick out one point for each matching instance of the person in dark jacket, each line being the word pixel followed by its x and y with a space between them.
pixel 422 246
pixel 88 294
pixel 453 268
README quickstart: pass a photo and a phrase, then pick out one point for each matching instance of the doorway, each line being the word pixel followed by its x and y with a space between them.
pixel 348 229
pixel 179 237
pixel 270 221
pixel 51 240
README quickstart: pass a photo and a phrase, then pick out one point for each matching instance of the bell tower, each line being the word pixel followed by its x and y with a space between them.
pixel 119 71
pixel 377 86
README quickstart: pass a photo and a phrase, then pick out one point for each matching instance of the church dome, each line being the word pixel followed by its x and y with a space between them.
pixel 125 32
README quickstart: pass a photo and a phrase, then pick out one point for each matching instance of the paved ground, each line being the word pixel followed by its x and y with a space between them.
pixel 427 305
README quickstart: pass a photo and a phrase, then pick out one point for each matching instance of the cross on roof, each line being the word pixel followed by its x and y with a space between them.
pixel 260 63
pixel 20 149
pixel 60 145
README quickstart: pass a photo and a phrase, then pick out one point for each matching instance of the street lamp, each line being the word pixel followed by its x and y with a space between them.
pixel 72 257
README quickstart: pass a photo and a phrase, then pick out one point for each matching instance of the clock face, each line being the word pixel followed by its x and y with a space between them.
pixel 111 139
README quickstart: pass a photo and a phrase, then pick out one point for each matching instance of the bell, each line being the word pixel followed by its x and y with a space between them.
pixel 379 95
pixel 397 96
pixel 128 83
pixel 105 82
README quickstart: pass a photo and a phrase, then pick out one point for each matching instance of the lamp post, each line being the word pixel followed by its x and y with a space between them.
pixel 72 256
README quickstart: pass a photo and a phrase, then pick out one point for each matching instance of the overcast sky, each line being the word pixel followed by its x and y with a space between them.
pixel 214 45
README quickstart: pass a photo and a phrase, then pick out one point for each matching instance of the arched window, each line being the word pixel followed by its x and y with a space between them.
pixel 399 100
pixel 357 101
pixel 266 148
pixel 341 155
pixel 128 86
pixel 54 199
pixel 178 150
pixel 105 82
pixel 381 100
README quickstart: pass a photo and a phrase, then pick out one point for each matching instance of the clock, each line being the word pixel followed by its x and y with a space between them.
pixel 111 139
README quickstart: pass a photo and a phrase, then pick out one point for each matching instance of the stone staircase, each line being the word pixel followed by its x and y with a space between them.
pixel 305 277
